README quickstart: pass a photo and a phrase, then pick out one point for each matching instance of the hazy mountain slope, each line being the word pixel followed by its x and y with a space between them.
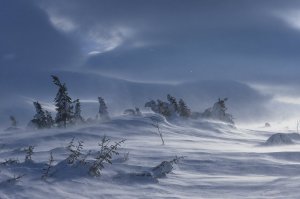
pixel 244 102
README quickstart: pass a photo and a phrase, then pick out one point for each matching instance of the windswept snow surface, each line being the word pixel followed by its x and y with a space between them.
pixel 220 161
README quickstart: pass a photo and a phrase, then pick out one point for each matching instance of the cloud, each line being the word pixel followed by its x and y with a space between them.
pixel 165 40
pixel 290 16
pixel 29 41
pixel 62 23
pixel 103 41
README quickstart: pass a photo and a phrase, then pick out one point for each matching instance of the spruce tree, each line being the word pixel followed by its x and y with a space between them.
pixel 77 112
pixel 63 103
pixel 163 108
pixel 184 111
pixel 49 120
pixel 172 100
pixel 103 113
pixel 39 119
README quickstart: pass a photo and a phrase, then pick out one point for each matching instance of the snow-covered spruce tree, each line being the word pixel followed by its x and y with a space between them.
pixel 103 113
pixel 75 151
pixel 63 103
pixel 77 112
pixel 165 167
pixel 218 112
pixel 49 120
pixel 184 111
pixel 163 108
pixel 29 153
pixel 104 155
pixel 39 120
pixel 172 100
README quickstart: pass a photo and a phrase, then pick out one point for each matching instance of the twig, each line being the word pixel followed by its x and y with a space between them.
pixel 156 125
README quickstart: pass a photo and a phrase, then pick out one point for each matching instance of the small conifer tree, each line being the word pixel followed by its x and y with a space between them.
pixel 105 154
pixel 63 103
pixel 29 153
pixel 163 108
pixel 39 119
pixel 103 113
pixel 49 120
pixel 184 111
pixel 75 151
pixel 172 100
pixel 48 166
pixel 77 112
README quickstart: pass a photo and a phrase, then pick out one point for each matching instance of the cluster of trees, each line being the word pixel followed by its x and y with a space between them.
pixel 68 112
pixel 173 108
pixel 170 108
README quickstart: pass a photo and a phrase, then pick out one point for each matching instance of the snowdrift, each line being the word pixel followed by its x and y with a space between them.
pixel 219 162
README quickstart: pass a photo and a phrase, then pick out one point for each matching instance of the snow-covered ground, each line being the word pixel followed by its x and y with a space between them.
pixel 220 161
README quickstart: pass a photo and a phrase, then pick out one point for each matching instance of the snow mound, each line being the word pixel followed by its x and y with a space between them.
pixel 279 139
pixel 219 161
pixel 294 136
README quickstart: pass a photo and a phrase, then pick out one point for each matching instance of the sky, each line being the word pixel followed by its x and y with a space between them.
pixel 247 50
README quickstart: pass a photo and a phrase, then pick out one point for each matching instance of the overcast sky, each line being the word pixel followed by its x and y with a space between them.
pixel 252 42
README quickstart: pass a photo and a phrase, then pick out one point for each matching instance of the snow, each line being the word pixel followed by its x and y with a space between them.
pixel 219 161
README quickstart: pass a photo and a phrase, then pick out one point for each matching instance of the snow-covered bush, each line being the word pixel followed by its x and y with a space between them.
pixel 48 166
pixel 104 155
pixel 165 167
pixel 218 112
pixel 29 153
pixel 161 170
pixel 75 151
pixel 77 163
pixel 135 112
